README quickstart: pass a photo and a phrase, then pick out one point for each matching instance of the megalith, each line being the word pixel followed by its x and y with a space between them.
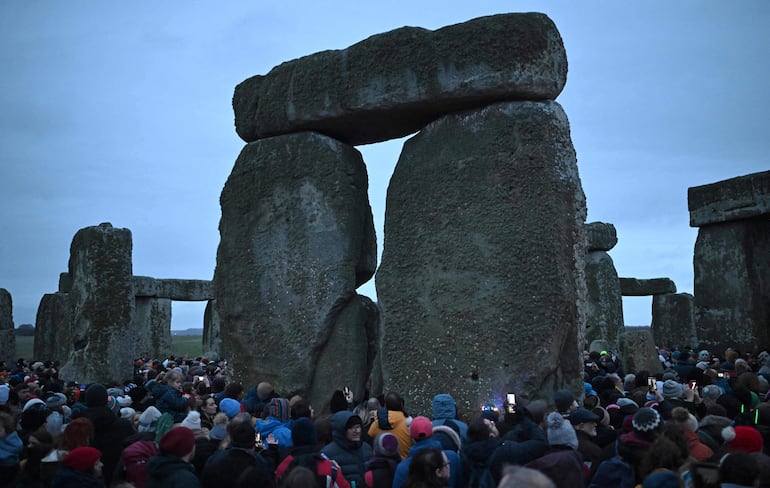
pixel 392 84
pixel 481 284
pixel 635 287
pixel 673 320
pixel 604 301
pixel 732 261
pixel 7 333
pixel 637 350
pixel 102 301
pixel 52 327
pixel 212 331
pixel 152 327
pixel 297 239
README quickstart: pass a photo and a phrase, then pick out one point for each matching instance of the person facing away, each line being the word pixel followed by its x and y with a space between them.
pixel 171 468
pixel 429 468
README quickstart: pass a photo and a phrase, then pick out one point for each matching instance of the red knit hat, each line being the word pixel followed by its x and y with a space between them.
pixel 178 442
pixel 742 438
pixel 82 459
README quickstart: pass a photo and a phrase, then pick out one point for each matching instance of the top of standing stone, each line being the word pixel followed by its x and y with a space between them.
pixel 738 198
pixel 392 84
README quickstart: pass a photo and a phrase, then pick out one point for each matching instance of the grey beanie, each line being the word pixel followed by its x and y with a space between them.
pixel 560 432
pixel 672 389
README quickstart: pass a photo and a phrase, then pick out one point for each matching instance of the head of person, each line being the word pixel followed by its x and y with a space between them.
pixel 208 405
pixel 393 401
pixel 564 401
pixel 85 459
pixel 241 431
pixel 173 379
pixel 740 469
pixel 178 442
pixel 519 476
pixel 429 467
pixel 78 433
pixel 646 423
pixel 347 429
pixel 584 420
pixel 481 429
pixel 421 428
pixel 559 431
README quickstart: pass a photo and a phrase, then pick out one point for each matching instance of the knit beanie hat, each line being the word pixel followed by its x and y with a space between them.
pixel 148 420
pixel 178 442
pixel 661 479
pixel 112 404
pixel 96 395
pixel 192 421
pixel 82 459
pixel 672 389
pixel 303 432
pixel 127 413
pixel 386 445
pixel 55 400
pixel 264 390
pixel 421 428
pixel 742 438
pixel 279 408
pixel 230 407
pixel 5 391
pixel 684 418
pixel 646 420
pixel 560 432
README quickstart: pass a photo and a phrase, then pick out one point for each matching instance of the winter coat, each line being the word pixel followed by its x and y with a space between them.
pixel 351 456
pixel 10 449
pixel 68 478
pixel 455 466
pixel 225 467
pixel 324 467
pixel 109 435
pixel 170 400
pixel 171 472
pixel 380 472
pixel 445 408
pixel 393 421
pixel 280 430
pixel 563 465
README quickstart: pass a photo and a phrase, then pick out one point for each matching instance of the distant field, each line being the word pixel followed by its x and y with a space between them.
pixel 181 345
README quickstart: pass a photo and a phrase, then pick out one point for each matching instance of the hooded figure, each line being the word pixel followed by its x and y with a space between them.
pixel 347 448
pixel 445 413
pixel 276 422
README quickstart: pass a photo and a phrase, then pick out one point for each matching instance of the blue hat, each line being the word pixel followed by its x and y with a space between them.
pixel 589 389
pixel 230 407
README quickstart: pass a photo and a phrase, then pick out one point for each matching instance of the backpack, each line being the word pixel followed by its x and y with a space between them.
pixel 614 473
pixel 310 461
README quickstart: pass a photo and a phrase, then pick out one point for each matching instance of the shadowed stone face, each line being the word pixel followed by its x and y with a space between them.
pixel 7 337
pixel 481 283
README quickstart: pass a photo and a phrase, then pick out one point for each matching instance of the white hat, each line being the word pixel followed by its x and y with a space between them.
pixel 192 421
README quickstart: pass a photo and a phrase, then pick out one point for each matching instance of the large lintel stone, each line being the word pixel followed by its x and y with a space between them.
pixel 744 197
pixel 174 289
pixel 633 287
pixel 392 84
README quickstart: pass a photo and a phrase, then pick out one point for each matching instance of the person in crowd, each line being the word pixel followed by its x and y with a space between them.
pixel 392 418
pixel 519 476
pixel 738 470
pixel 346 448
pixel 277 423
pixel 381 468
pixel 429 468
pixel 171 468
pixel 299 477
pixel 584 422
pixel 81 468
pixel 168 396
pixel 561 462
pixel 305 454
pixel 109 430
pixel 565 402
pixel 689 425
pixel 421 431
pixel 208 410
pixel 445 413
pixel 226 466
pixel 11 447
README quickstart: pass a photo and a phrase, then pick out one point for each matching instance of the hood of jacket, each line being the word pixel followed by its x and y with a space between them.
pixel 339 421
pixel 10 449
pixel 444 406
pixel 269 425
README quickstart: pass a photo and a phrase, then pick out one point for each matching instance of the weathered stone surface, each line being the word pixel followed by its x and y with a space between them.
pixel 601 236
pixel 673 320
pixel 152 326
pixel 392 84
pixel 634 287
pixel 212 330
pixel 297 239
pixel 732 284
pixel 65 283
pixel 8 343
pixel 482 265
pixel 52 326
pixel 604 303
pixel 175 289
pixel 637 350
pixel 744 197
pixel 102 299
pixel 598 345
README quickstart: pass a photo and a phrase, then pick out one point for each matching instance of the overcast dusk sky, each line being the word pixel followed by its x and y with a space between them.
pixel 121 112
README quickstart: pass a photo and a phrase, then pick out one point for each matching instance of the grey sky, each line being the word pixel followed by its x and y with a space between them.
pixel 120 112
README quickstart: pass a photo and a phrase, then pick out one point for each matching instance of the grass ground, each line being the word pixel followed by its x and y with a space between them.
pixel 181 345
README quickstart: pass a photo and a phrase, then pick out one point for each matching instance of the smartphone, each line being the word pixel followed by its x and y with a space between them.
pixel 511 398
pixel 198 379
pixel 652 383
pixel 720 375
pixel 693 384
pixel 258 440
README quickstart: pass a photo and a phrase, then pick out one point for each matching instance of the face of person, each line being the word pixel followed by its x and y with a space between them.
pixel 445 470
pixel 98 468
pixel 588 427
pixel 493 432
pixel 176 384
pixel 24 395
pixel 210 407
pixel 353 433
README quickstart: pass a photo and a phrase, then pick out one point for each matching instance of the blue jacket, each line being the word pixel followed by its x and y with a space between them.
pixel 351 456
pixel 445 408
pixel 281 431
pixel 455 466
pixel 10 449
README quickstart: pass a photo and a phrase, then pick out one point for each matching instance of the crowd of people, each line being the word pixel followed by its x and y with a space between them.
pixel 703 421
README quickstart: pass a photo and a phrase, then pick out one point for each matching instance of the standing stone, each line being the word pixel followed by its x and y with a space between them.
pixel 392 84
pixel 297 239
pixel 52 325
pixel 7 336
pixel 732 284
pixel 481 284
pixel 637 350
pixel 673 320
pixel 604 302
pixel 152 327
pixel 102 299
pixel 212 331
